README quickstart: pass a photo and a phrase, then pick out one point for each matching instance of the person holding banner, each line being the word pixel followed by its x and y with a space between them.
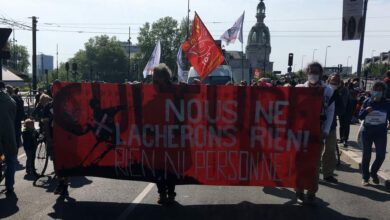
pixel 165 184
pixel 374 112
pixel 314 73
pixel 329 160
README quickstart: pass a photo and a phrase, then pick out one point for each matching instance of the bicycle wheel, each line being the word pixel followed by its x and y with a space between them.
pixel 3 167
pixel 41 158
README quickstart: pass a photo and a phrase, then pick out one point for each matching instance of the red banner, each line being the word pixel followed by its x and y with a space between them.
pixel 201 50
pixel 222 135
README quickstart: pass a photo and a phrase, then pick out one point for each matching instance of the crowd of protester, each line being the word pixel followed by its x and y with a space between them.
pixel 344 103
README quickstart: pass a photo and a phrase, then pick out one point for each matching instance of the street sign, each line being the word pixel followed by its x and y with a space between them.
pixel 4 46
pixel 352 19
pixel 4 35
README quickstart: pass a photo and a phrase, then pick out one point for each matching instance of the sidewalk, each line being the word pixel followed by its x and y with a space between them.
pixel 353 155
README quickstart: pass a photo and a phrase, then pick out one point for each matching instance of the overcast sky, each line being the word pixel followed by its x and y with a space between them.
pixel 297 26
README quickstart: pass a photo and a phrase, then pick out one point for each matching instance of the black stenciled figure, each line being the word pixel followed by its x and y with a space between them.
pixel 104 127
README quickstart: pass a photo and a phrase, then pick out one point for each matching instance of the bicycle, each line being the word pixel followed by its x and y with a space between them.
pixel 41 156
pixel 3 167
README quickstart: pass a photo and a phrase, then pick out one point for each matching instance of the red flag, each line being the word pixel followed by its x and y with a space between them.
pixel 201 50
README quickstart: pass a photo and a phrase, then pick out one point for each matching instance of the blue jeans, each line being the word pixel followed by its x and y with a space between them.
pixel 379 138
pixel 10 160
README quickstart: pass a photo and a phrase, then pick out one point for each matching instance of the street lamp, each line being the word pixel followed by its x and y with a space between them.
pixel 372 53
pixel 349 57
pixel 326 53
pixel 372 62
pixel 314 52
pixel 303 57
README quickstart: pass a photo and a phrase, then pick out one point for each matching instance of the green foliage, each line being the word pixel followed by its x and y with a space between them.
pixel 377 70
pixel 102 59
pixel 269 75
pixel 184 29
pixel 137 67
pixel 171 36
pixel 301 75
pixel 19 58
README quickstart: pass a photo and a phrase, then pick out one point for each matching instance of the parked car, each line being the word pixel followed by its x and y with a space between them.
pixel 220 76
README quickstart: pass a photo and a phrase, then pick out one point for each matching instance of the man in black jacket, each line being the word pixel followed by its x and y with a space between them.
pixel 20 115
pixel 7 136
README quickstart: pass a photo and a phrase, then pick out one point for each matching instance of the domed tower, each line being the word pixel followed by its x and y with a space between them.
pixel 258 49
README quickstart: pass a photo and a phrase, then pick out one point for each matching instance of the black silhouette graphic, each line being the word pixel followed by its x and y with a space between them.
pixel 104 128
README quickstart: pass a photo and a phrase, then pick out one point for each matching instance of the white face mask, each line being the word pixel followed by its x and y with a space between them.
pixel 313 79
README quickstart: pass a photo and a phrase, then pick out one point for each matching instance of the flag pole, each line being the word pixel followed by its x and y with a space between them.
pixel 361 47
pixel 242 47
pixel 188 19
pixel 242 60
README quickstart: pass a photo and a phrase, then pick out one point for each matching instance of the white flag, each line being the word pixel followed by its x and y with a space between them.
pixel 231 35
pixel 180 65
pixel 154 60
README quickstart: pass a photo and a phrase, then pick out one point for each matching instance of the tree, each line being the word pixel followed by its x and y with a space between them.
pixel 185 31
pixel 301 75
pixel 102 59
pixel 19 60
pixel 169 33
pixel 376 70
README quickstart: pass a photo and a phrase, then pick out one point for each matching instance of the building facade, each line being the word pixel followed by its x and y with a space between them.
pixel 258 49
pixel 383 58
pixel 344 71
pixel 12 78
pixel 44 62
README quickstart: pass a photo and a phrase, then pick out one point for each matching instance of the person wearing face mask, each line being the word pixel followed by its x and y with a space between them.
pixel 356 94
pixel 387 81
pixel 314 73
pixel 374 112
pixel 328 159
pixel 346 117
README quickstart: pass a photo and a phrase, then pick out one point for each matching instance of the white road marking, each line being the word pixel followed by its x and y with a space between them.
pixel 136 201
pixel 21 156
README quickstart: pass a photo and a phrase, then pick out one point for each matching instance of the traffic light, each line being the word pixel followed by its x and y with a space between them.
pixel 74 71
pixel 340 67
pixel 290 59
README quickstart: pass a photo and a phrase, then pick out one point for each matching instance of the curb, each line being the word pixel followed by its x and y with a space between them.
pixel 355 160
